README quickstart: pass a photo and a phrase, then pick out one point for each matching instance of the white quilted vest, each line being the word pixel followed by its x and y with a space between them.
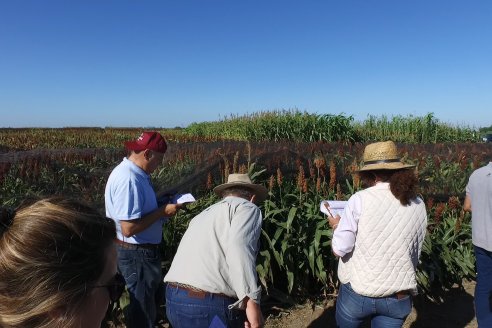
pixel 387 245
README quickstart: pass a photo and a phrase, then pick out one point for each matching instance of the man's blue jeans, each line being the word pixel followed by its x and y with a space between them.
pixel 352 309
pixel 185 311
pixel 483 288
pixel 141 268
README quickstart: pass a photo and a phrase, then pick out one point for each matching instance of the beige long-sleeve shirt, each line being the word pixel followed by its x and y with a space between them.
pixel 218 251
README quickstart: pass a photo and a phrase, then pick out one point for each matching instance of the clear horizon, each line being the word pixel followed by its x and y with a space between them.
pixel 169 64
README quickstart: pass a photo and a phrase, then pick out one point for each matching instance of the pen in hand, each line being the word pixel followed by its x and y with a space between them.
pixel 330 215
pixel 328 209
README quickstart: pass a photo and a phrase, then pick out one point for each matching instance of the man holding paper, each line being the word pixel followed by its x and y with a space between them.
pixel 131 202
pixel 378 237
pixel 213 279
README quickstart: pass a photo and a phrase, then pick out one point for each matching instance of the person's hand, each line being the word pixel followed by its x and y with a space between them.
pixel 253 315
pixel 171 209
pixel 333 221
pixel 259 324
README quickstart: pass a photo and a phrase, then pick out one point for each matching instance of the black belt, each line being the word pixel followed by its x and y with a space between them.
pixel 401 294
pixel 398 295
pixel 135 246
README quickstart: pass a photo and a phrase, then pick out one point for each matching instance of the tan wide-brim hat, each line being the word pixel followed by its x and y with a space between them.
pixel 243 180
pixel 382 156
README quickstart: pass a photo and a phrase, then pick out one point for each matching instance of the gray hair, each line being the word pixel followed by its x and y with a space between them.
pixel 238 191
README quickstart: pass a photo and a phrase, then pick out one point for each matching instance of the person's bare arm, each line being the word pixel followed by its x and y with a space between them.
pixel 467 204
pixel 253 315
pixel 132 227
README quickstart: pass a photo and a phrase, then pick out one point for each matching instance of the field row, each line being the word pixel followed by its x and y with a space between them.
pixel 295 256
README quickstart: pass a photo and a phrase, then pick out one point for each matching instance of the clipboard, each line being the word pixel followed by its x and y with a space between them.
pixel 332 207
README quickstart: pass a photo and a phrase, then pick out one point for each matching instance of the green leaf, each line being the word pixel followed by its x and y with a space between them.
pixel 290 218
pixel 290 281
pixel 311 258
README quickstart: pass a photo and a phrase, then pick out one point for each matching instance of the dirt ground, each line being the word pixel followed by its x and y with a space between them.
pixel 455 311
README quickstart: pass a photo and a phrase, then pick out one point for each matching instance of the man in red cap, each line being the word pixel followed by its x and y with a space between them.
pixel 131 202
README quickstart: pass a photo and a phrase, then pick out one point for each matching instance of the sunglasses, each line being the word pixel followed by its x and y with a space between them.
pixel 115 288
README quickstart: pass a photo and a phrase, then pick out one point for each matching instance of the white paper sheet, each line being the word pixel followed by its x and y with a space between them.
pixel 336 207
pixel 183 198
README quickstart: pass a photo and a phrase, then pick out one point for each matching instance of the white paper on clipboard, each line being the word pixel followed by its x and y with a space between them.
pixel 183 198
pixel 336 207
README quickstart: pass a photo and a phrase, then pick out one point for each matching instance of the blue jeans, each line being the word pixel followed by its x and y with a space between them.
pixel 483 288
pixel 352 309
pixel 185 311
pixel 141 268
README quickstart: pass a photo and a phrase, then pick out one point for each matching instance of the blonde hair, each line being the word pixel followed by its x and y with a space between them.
pixel 51 252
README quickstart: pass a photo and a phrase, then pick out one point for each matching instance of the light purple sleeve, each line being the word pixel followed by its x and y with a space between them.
pixel 344 236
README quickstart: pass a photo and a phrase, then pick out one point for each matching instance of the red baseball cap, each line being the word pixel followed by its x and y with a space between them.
pixel 148 140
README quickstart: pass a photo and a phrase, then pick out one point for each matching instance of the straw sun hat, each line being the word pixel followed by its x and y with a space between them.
pixel 382 156
pixel 243 180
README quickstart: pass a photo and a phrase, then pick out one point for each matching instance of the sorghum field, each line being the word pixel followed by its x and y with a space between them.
pixel 301 158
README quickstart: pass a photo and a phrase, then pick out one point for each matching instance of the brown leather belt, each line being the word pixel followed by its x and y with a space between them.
pixel 196 292
pixel 135 246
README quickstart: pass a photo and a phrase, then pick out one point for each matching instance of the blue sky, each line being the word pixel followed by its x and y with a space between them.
pixel 171 63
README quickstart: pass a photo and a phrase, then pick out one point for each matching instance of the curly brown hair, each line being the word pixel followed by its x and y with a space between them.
pixel 403 182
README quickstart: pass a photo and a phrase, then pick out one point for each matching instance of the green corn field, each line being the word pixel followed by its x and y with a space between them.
pixel 301 158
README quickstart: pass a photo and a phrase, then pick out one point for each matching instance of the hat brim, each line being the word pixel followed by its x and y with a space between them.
pixel 260 191
pixel 385 166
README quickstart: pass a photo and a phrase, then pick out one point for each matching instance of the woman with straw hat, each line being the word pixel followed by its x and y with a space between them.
pixel 378 239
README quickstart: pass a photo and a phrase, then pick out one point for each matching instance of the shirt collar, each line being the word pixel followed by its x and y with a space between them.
pixel 135 168
pixel 381 185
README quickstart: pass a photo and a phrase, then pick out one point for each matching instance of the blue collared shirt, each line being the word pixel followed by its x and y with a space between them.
pixel 129 195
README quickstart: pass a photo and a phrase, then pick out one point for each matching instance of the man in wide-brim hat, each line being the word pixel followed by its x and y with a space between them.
pixel 242 181
pixel 213 274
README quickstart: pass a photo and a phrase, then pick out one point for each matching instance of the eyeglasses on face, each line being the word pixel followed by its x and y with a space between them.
pixel 115 288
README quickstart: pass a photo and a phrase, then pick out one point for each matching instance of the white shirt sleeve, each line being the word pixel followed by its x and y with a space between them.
pixel 344 235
